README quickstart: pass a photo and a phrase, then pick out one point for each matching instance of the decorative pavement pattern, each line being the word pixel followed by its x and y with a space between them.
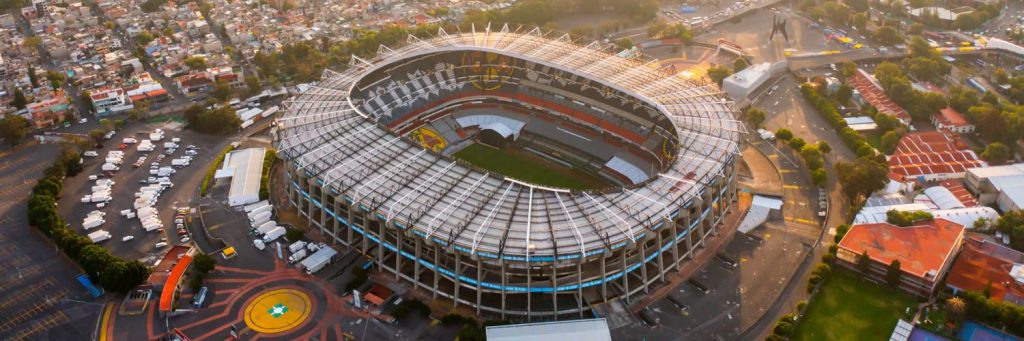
pixel 280 304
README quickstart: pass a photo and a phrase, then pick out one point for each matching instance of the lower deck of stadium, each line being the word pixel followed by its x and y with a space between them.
pixel 542 287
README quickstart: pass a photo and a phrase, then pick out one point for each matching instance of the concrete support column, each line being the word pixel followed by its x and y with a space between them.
pixel 479 278
pixel 604 279
pixel 337 222
pixel 437 273
pixel 458 282
pixel 625 275
pixel 398 256
pixel 579 287
pixel 504 282
pixel 554 291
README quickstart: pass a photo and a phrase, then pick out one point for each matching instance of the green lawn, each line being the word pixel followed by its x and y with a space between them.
pixel 849 308
pixel 525 166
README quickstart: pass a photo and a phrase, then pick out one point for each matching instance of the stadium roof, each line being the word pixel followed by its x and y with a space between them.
pixel 336 142
pixel 589 330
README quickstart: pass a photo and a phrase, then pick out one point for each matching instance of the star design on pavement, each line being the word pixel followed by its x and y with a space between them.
pixel 277 310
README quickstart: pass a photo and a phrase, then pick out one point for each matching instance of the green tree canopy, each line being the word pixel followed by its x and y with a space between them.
pixel 13 128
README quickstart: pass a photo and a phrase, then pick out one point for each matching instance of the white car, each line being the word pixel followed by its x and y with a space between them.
pixel 127 238
pixel 161 244
pixel 83 120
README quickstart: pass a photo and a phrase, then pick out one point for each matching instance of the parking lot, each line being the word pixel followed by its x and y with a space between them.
pixel 128 180
pixel 36 280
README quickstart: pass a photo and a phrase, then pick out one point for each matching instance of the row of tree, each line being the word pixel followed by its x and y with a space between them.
pixel 221 121
pixel 110 272
pixel 812 154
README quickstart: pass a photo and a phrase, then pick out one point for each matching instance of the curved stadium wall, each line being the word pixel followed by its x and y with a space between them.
pixel 504 246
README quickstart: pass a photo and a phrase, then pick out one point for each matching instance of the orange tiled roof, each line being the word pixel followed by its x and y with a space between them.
pixel 920 248
pixel 951 117
pixel 931 152
pixel 957 188
pixel 875 95
pixel 982 263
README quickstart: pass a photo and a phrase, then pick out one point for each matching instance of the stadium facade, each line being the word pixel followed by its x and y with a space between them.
pixel 368 162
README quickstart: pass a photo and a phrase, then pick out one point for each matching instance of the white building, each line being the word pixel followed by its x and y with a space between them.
pixel 244 167
pixel 741 84
pixel 110 102
pixel 999 185
pixel 589 330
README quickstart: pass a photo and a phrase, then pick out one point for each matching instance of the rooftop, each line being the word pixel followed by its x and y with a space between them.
pixel 982 264
pixel 589 330
pixel 921 249
pixel 951 117
pixel 929 153
pixel 872 92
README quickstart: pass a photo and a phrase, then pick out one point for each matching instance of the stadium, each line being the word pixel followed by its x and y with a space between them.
pixel 517 173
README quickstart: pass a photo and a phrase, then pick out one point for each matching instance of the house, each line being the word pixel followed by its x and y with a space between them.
pixel 949 119
pixel 984 265
pixel 110 101
pixel 924 250
pixel 931 156
pixel 195 83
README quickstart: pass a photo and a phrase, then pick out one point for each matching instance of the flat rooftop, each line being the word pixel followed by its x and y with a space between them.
pixel 583 330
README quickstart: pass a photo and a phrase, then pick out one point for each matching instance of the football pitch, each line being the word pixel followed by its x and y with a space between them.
pixel 525 166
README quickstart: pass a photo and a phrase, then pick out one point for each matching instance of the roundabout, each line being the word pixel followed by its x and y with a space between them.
pixel 277 311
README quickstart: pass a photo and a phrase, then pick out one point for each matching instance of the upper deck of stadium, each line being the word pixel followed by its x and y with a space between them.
pixel 340 133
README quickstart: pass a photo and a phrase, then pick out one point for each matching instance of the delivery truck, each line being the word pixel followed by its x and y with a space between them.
pixel 250 207
pixel 92 222
pixel 266 227
pixel 260 216
pixel 296 246
pixel 277 232
pixel 318 260
pixel 99 236
pixel 297 256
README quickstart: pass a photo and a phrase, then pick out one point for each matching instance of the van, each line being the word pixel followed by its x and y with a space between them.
pixel 200 297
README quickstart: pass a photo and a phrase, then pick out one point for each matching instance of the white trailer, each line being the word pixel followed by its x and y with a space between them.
pixel 318 260
pixel 151 225
pixel 297 256
pixel 109 167
pixel 259 216
pixel 267 227
pixel 99 236
pixel 91 223
pixel 296 246
pixel 277 232
pixel 264 209
pixel 250 207
pixel 258 223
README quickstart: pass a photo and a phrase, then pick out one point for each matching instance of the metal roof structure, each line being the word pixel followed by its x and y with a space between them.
pixel 339 140
pixel 589 330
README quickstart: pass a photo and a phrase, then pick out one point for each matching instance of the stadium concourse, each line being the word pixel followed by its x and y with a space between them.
pixel 369 161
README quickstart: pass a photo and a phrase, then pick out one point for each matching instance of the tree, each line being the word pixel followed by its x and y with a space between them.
pixel 824 147
pixel 624 43
pixel 819 176
pixel 996 153
pixel 893 273
pixel 144 37
pixel 906 218
pixel 253 84
pixel 221 121
pixel 97 135
pixel 87 99
pixel 864 262
pixel 784 134
pixel 860 20
pixel 887 35
pixel 221 90
pixel 19 99
pixel 811 155
pixel 195 63
pixel 889 141
pixel 755 116
pixel 862 176
pixel 1000 76
pixel 1012 224
pixel 56 79
pixel 32 77
pixel 204 263
pixel 718 74
pixel 843 94
pixel 796 143
pixel 13 128
pixel 919 47
pixel 107 124
pixel 33 42
pixel 916 29
pixel 956 308
pixel 739 64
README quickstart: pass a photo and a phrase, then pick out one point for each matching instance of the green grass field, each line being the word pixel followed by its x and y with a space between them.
pixel 850 308
pixel 523 165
